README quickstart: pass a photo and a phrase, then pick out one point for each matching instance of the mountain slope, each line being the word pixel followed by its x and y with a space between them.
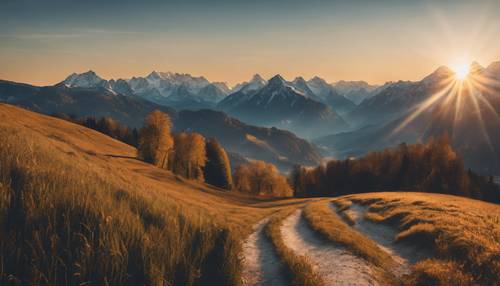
pixel 86 202
pixel 181 91
pixel 356 91
pixel 330 96
pixel 279 147
pixel 241 93
pixel 396 99
pixel 282 105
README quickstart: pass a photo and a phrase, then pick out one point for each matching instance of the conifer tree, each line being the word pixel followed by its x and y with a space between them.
pixel 217 168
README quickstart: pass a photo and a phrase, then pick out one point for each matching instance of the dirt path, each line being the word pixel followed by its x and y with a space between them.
pixel 261 266
pixel 403 253
pixel 336 265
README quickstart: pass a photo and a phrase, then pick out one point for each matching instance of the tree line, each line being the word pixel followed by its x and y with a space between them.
pixel 105 125
pixel 432 167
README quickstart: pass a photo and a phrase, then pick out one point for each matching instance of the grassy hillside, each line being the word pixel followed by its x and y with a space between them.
pixel 77 207
pixel 462 234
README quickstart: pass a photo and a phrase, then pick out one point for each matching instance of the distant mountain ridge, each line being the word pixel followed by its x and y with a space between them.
pixel 181 91
pixel 282 104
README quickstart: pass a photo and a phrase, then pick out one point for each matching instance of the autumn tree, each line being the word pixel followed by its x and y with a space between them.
pixel 261 178
pixel 155 140
pixel 217 168
pixel 189 156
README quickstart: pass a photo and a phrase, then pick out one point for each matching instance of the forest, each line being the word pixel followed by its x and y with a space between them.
pixel 433 167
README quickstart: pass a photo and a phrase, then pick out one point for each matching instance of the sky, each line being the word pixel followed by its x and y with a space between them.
pixel 41 42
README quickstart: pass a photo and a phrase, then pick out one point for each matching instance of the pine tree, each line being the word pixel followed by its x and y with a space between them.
pixel 217 168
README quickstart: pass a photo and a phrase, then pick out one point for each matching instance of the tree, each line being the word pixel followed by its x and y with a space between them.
pixel 261 178
pixel 297 180
pixel 217 168
pixel 190 155
pixel 155 141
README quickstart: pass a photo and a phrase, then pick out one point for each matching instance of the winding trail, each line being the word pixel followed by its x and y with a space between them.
pixel 261 265
pixel 384 235
pixel 336 265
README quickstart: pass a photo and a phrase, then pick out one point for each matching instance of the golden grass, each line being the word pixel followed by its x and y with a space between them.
pixel 76 207
pixel 464 233
pixel 342 206
pixel 299 269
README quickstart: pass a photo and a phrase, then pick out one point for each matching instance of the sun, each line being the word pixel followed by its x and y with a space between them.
pixel 461 71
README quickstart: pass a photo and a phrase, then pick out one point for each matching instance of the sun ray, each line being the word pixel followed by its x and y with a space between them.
pixel 479 115
pixel 425 105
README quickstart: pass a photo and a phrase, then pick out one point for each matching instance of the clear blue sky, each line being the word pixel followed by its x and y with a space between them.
pixel 43 41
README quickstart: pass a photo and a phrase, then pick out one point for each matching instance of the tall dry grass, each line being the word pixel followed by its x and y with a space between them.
pixel 464 233
pixel 63 222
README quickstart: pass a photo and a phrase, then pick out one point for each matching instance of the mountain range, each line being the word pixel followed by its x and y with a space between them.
pixel 292 105
pixel 282 104
pixel 344 118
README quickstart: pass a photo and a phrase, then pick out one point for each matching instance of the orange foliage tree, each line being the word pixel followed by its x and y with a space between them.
pixel 261 178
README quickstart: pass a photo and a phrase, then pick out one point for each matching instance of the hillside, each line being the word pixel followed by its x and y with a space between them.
pixel 143 213
pixel 78 208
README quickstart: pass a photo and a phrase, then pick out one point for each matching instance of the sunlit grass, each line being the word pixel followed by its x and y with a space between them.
pixel 76 207
pixel 464 233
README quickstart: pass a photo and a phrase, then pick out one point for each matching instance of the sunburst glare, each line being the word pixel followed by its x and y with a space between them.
pixel 461 70
pixel 465 92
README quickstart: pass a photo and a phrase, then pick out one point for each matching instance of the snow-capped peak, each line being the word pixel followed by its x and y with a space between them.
pixel 154 75
pixel 255 83
pixel 86 80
